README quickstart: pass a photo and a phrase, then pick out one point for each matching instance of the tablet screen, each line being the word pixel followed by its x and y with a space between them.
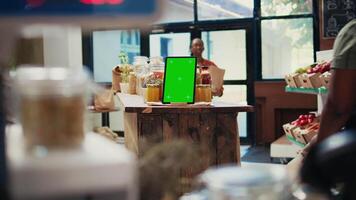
pixel 179 80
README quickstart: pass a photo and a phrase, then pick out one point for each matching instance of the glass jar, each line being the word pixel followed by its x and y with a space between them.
pixel 205 76
pixel 153 93
pixel 141 70
pixel 52 106
pixel 203 93
pixel 231 182
pixel 140 65
pixel 198 77
pixel 157 67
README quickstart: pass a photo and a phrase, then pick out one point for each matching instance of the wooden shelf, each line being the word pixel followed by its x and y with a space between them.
pixel 315 91
pixel 283 148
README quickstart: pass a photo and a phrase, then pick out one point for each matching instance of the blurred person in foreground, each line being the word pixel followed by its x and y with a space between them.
pixel 197 48
pixel 328 160
pixel 339 111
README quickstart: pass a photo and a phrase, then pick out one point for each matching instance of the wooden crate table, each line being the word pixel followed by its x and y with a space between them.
pixel 213 126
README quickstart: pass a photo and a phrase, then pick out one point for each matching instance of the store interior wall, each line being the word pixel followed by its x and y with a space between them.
pixel 62 46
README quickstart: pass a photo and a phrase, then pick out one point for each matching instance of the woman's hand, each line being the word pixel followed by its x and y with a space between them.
pixel 218 92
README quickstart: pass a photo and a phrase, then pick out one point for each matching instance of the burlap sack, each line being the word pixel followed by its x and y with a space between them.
pixel 116 79
pixel 104 100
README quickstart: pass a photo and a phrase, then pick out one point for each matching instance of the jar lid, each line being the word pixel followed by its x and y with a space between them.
pixel 203 85
pixel 140 59
pixel 32 80
pixel 153 85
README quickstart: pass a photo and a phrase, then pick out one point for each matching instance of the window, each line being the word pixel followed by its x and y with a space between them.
pixel 287 44
pixel 224 9
pixel 107 46
pixel 227 49
pixel 286 7
pixel 177 11
pixel 287 36
pixel 236 94
pixel 170 44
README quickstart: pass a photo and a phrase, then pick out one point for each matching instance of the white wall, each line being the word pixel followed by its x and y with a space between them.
pixel 62 46
pixel 180 44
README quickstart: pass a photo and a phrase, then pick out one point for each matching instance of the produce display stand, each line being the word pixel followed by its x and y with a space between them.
pixel 287 147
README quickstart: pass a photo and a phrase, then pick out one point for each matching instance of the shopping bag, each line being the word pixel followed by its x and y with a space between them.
pixel 104 100
pixel 116 79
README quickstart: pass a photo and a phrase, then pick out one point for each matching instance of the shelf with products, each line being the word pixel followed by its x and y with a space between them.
pixel 313 80
pixel 294 141
pixel 316 91
pixel 290 145
pixel 284 148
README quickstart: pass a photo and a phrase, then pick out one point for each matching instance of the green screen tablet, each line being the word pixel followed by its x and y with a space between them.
pixel 179 80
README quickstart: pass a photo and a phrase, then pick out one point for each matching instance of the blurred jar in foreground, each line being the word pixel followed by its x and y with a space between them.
pixel 52 106
pixel 153 93
pixel 252 183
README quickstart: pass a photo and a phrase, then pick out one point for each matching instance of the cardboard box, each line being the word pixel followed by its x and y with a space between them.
pixel 325 79
pixel 298 135
pixel 308 135
pixel 310 80
pixel 288 129
pixel 304 135
pixel 290 80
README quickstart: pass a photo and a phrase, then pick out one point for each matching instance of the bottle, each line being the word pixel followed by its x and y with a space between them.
pixel 132 83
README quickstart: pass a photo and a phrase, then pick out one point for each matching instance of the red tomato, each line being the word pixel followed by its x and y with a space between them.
pixel 303 122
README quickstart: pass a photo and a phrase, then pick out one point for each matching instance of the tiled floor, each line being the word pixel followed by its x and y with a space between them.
pixel 257 154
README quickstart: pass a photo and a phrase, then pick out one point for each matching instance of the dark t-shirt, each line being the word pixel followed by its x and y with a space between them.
pixel 345 47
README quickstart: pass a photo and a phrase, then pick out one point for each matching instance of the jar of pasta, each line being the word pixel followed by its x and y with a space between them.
pixel 52 106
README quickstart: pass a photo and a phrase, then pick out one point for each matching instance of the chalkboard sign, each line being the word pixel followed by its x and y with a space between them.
pixel 336 14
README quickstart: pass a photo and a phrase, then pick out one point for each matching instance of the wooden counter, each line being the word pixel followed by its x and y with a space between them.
pixel 211 128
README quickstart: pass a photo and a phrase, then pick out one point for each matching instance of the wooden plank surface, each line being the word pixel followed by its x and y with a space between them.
pixel 150 131
pixel 131 132
pixel 208 139
pixel 170 127
pixel 135 103
pixel 199 131
pixel 228 141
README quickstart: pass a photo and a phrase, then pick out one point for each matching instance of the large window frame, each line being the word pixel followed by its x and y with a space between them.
pixel 253 44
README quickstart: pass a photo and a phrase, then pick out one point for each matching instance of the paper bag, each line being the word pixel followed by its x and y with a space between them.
pixel 217 77
pixel 116 79
pixel 104 100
